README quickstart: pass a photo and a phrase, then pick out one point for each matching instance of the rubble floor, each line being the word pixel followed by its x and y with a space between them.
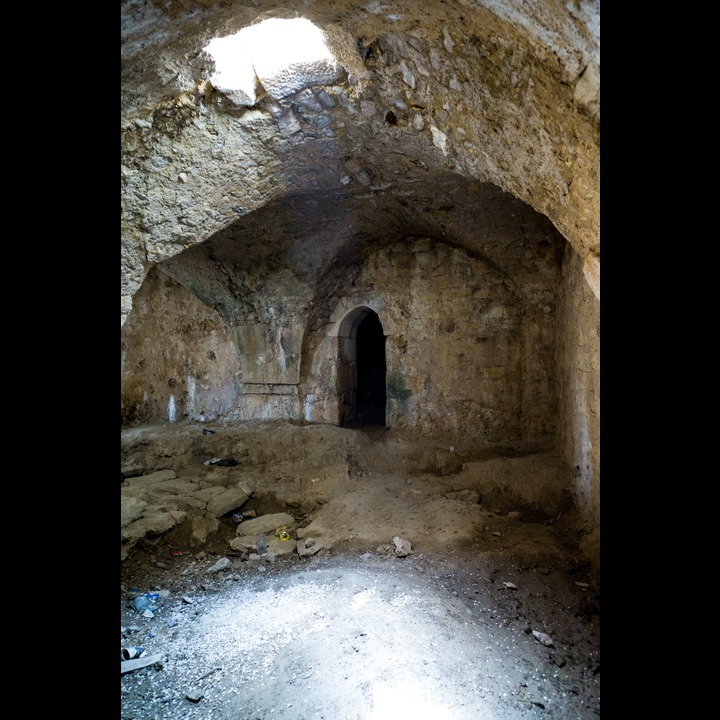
pixel 492 614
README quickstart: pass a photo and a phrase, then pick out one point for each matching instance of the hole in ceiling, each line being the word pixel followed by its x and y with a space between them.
pixel 278 56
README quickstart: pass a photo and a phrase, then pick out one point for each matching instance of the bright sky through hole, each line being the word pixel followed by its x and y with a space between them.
pixel 265 50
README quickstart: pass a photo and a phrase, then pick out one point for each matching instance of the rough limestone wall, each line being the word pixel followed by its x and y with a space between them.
pixel 177 165
pixel 174 346
pixel 463 357
pixel 579 393
pixel 179 360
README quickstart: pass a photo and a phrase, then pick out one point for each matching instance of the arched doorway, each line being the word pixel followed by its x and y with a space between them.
pixel 371 395
pixel 362 369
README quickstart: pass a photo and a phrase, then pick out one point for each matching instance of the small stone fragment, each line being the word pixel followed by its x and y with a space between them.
pixel 222 564
pixel 543 638
pixel 403 548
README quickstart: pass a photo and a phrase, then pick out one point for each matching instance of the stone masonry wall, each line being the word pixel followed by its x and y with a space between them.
pixel 465 357
pixel 179 360
pixel 467 354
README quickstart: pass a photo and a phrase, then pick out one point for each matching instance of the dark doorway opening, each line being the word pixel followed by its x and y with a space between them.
pixel 371 394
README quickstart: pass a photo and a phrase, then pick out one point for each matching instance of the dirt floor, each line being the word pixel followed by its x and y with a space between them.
pixel 431 593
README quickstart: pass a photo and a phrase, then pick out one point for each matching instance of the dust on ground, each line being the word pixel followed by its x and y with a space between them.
pixel 492 614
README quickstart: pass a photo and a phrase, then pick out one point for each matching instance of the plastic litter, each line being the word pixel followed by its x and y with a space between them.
pixel 129 653
pixel 238 517
pixel 142 603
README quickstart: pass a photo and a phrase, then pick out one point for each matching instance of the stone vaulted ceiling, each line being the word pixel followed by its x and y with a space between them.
pixel 474 122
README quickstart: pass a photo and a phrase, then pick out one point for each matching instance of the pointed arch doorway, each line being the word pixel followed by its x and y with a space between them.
pixel 363 367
